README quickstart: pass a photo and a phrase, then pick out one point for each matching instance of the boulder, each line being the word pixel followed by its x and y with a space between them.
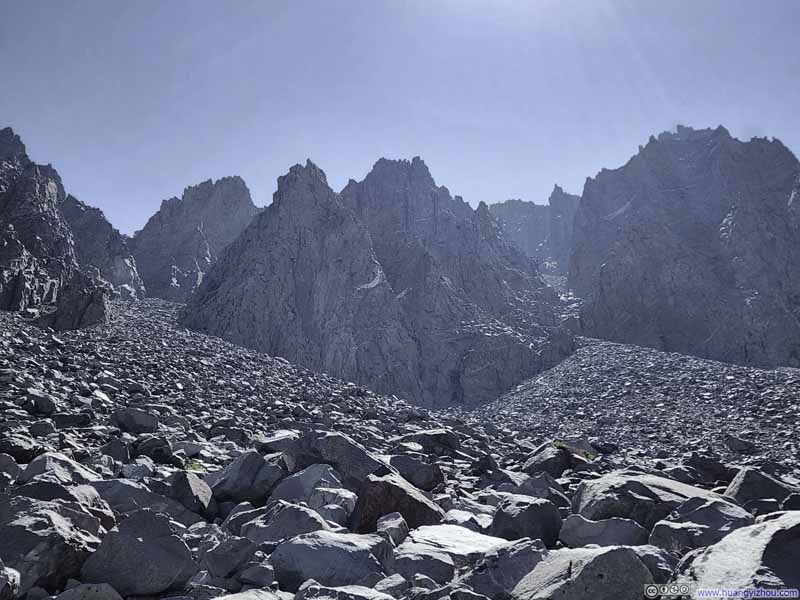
pixel 84 496
pixel 332 559
pixel 312 589
pixel 752 484
pixel 391 493
pixel 350 459
pixel 579 531
pixel 56 468
pixel 632 495
pixel 613 573
pixel 394 527
pixel 249 478
pixel 463 546
pixel 763 555
pixel 126 497
pixel 135 420
pixel 283 520
pixel 519 517
pixel 425 476
pixel 698 522
pixel 254 594
pixel 45 542
pixel 299 486
pixel 90 591
pixel 143 556
pixel 228 556
pixel 501 569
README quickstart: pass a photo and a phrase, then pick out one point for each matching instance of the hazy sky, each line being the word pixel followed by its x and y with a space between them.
pixel 133 101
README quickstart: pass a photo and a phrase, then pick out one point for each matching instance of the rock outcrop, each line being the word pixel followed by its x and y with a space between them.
pixel 694 247
pixel 482 318
pixel 98 245
pixel 303 282
pixel 37 255
pixel 541 231
pixel 83 302
pixel 178 244
pixel 392 284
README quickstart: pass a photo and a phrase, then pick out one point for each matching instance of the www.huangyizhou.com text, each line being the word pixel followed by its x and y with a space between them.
pixel 746 593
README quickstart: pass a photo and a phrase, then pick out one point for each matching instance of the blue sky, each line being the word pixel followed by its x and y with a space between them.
pixel 133 101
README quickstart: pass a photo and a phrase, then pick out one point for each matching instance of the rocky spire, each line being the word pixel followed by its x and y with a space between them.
pixel 177 246
pixel 302 282
pixel 100 246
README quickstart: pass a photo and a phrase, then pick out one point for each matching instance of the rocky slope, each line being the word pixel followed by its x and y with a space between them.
pixel 693 246
pixel 541 231
pixel 141 459
pixel 99 246
pixel 37 254
pixel 655 404
pixel 393 284
pixel 178 244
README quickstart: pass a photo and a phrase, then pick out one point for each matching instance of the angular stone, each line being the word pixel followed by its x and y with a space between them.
pixel 135 420
pixel 143 556
pixel 752 484
pixel 631 495
pixel 520 517
pixel 764 555
pixel 579 531
pixel 250 477
pixel 332 559
pixel 614 573
pixel 388 494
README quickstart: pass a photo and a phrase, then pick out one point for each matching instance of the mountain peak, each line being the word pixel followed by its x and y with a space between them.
pixel 10 144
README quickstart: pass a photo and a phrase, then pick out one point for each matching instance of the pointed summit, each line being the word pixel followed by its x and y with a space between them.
pixel 11 145
pixel 302 282
pixel 179 243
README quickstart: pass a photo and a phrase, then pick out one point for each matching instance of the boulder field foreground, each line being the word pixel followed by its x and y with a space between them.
pixel 141 459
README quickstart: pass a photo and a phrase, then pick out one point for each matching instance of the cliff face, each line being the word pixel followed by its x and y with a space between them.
pixel 98 245
pixel 302 282
pixel 543 232
pixel 37 254
pixel 179 243
pixel 693 246
pixel 442 307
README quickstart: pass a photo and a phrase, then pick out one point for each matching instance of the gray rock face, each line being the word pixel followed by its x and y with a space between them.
pixel 482 317
pixel 541 231
pixel 100 246
pixel 176 247
pixel 393 284
pixel 302 282
pixel 37 254
pixel 694 247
